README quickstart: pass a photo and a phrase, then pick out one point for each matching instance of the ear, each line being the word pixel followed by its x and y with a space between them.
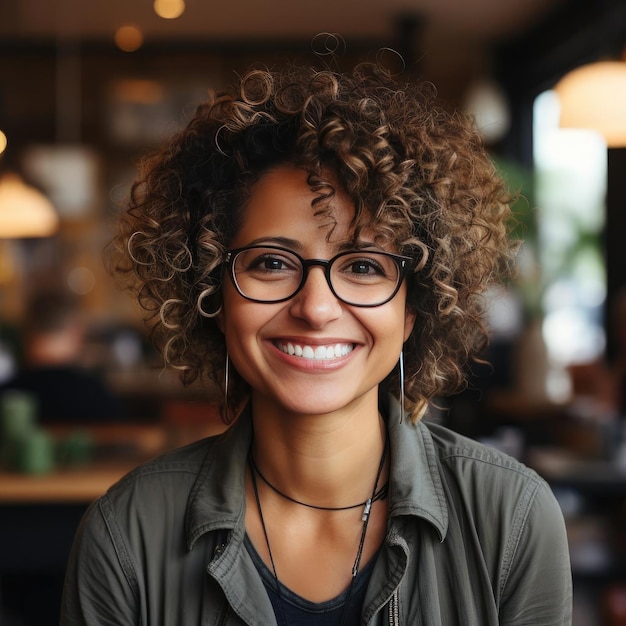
pixel 409 323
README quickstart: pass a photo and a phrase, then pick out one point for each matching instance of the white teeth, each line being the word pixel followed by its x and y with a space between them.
pixel 317 353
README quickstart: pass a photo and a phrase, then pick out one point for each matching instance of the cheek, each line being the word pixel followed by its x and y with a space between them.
pixel 239 337
pixel 409 324
pixel 402 320
pixel 389 327
pixel 241 322
pixel 238 320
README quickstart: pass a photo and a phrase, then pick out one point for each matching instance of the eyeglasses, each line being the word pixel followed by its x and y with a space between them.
pixel 271 274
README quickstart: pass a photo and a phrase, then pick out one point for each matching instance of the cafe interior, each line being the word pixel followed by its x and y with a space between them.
pixel 87 88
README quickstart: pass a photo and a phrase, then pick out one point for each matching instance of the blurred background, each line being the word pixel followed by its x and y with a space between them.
pixel 86 88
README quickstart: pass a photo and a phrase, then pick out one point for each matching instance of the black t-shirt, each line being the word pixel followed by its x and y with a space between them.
pixel 293 610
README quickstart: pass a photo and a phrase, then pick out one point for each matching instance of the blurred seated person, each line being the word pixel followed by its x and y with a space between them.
pixel 54 341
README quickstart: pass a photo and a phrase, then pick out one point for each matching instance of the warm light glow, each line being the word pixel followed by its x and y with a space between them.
pixel 3 142
pixel 81 280
pixel 128 38
pixel 594 97
pixel 24 211
pixel 486 103
pixel 169 9
pixel 138 91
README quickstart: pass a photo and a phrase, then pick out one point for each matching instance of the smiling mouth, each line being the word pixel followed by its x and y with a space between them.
pixel 316 353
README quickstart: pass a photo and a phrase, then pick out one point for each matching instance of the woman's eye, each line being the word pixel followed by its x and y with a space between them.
pixel 364 267
pixel 270 264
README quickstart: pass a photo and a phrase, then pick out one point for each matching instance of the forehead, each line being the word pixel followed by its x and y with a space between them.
pixel 283 204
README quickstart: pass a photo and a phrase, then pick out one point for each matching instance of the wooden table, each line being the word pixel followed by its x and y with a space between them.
pixel 116 450
pixel 79 485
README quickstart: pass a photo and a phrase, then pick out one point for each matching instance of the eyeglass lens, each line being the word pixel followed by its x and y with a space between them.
pixel 273 274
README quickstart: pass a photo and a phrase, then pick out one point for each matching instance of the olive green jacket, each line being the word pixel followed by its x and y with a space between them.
pixel 474 538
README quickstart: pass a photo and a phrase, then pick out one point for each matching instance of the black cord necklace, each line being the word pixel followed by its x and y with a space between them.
pixel 367 507
pixel 381 494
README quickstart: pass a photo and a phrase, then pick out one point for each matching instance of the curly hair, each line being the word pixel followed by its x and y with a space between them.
pixel 415 172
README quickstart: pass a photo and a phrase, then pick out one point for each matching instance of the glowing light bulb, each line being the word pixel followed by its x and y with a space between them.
pixel 169 9
pixel 128 38
pixel 593 96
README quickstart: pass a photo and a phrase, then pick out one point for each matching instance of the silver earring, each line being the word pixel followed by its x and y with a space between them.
pixel 227 414
pixel 226 376
pixel 401 367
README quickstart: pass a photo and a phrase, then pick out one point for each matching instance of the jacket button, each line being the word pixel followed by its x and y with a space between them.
pixel 219 550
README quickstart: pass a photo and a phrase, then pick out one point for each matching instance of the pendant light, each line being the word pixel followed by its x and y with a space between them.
pixel 593 96
pixel 24 211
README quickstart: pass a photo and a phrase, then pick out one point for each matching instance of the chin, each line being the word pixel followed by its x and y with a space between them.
pixel 316 403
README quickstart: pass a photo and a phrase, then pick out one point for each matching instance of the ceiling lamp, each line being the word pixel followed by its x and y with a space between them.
pixel 594 97
pixel 24 211
pixel 169 9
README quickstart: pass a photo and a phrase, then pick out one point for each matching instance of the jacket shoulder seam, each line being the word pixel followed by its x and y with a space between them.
pixel 495 460
pixel 522 511
pixel 119 545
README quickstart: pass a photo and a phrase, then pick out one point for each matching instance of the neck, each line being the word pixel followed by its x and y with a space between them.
pixel 328 460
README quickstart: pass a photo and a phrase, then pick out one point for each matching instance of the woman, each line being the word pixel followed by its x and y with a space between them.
pixel 316 245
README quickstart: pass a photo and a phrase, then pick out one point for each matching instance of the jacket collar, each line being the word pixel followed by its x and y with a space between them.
pixel 416 485
pixel 217 500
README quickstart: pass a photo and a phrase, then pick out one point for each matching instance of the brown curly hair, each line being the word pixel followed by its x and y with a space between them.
pixel 416 173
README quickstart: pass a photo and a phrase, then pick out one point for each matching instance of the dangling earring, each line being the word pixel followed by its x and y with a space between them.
pixel 401 367
pixel 226 375
pixel 226 381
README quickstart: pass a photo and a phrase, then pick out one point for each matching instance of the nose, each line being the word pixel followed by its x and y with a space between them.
pixel 315 302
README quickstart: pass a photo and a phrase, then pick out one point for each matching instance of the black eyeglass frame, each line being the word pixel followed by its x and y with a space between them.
pixel 404 264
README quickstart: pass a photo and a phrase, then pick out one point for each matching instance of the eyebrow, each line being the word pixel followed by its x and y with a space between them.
pixel 294 244
pixel 283 242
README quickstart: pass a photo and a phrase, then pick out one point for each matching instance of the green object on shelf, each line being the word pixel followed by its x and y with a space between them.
pixel 77 449
pixel 18 419
pixel 35 453
pixel 18 413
